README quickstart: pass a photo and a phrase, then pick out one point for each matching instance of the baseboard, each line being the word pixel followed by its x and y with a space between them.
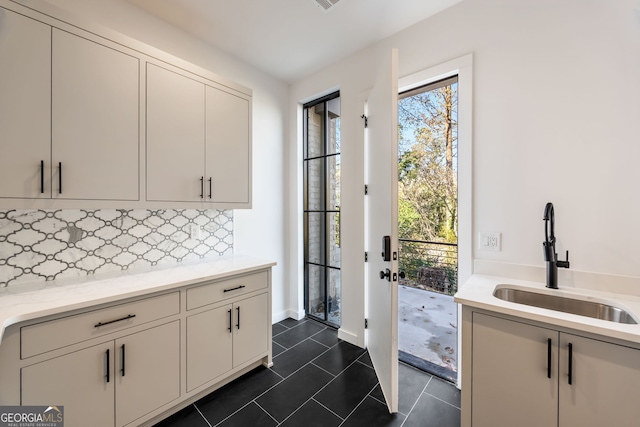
pixel 349 337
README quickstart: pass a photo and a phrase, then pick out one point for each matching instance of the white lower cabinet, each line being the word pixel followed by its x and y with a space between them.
pixel 134 361
pixel 224 338
pixel 82 382
pixel 148 371
pixel 141 371
pixel 525 375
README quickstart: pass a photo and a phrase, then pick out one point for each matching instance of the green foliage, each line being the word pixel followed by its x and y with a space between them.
pixel 427 187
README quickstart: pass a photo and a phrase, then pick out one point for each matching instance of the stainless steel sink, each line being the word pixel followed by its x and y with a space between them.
pixel 595 310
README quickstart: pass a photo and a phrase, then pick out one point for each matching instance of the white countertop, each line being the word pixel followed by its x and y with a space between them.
pixel 25 303
pixel 478 292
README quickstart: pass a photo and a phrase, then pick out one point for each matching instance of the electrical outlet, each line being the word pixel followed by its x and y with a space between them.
pixel 490 241
pixel 195 231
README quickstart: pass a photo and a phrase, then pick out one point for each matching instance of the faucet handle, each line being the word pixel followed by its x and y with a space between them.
pixel 564 264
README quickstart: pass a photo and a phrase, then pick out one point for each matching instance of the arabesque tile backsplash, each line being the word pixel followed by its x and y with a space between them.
pixel 42 245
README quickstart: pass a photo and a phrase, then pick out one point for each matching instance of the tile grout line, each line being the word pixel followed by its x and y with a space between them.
pixel 341 419
pixel 309 362
pixel 441 400
pixel 202 415
pixel 311 338
pixel 358 405
pixel 266 412
pixel 321 368
pixel 416 402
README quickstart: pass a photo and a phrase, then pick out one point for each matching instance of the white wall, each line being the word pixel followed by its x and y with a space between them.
pixel 259 231
pixel 556 118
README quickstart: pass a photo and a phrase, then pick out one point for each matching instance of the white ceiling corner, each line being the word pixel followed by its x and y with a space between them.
pixel 290 39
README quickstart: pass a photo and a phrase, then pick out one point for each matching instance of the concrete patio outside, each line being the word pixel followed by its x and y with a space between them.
pixel 428 331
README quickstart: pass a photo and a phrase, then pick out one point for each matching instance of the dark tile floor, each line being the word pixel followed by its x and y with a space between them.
pixel 319 380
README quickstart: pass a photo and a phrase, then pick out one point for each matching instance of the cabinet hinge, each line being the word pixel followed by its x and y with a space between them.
pixel 366 257
pixel 366 120
pixel 366 190
pixel 366 323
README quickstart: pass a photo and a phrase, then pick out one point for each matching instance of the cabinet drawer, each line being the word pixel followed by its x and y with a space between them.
pixel 218 291
pixel 54 334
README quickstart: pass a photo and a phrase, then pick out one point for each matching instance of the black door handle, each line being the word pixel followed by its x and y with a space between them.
pixel 202 187
pixel 41 176
pixel 122 354
pixel 59 177
pixel 570 364
pixel 549 344
pixel 210 187
pixel 386 274
pixel 238 324
pixel 108 369
pixel 230 321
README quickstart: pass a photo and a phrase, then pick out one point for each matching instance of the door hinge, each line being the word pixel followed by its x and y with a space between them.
pixel 366 120
pixel 366 257
pixel 366 323
pixel 366 190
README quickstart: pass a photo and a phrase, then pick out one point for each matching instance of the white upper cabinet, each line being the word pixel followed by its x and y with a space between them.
pixel 95 120
pixel 25 106
pixel 198 141
pixel 228 150
pixel 175 135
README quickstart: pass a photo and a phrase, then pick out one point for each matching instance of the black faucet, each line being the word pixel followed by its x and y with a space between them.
pixel 549 245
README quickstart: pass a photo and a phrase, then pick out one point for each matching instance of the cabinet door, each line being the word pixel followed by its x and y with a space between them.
pixel 82 382
pixel 95 123
pixel 228 153
pixel 510 385
pixel 147 371
pixel 250 330
pixel 209 338
pixel 175 136
pixel 25 106
pixel 604 383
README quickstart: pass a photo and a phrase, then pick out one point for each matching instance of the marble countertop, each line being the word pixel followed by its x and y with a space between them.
pixel 477 292
pixel 55 297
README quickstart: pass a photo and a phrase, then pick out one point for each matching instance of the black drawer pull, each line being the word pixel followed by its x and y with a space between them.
pixel 234 289
pixel 131 316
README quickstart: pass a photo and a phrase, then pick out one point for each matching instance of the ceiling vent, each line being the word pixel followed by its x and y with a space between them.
pixel 325 5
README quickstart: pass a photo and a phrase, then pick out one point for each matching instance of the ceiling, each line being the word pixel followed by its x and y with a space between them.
pixel 290 39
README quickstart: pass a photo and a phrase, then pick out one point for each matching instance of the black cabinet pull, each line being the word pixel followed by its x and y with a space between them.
pixel 570 364
pixel 230 321
pixel 234 289
pixel 130 316
pixel 108 378
pixel 238 324
pixel 210 187
pixel 122 354
pixel 59 177
pixel 41 176
pixel 549 358
pixel 202 187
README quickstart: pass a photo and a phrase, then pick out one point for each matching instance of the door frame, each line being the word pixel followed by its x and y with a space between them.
pixel 463 68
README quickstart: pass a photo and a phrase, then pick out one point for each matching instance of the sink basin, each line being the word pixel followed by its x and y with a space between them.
pixel 595 310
